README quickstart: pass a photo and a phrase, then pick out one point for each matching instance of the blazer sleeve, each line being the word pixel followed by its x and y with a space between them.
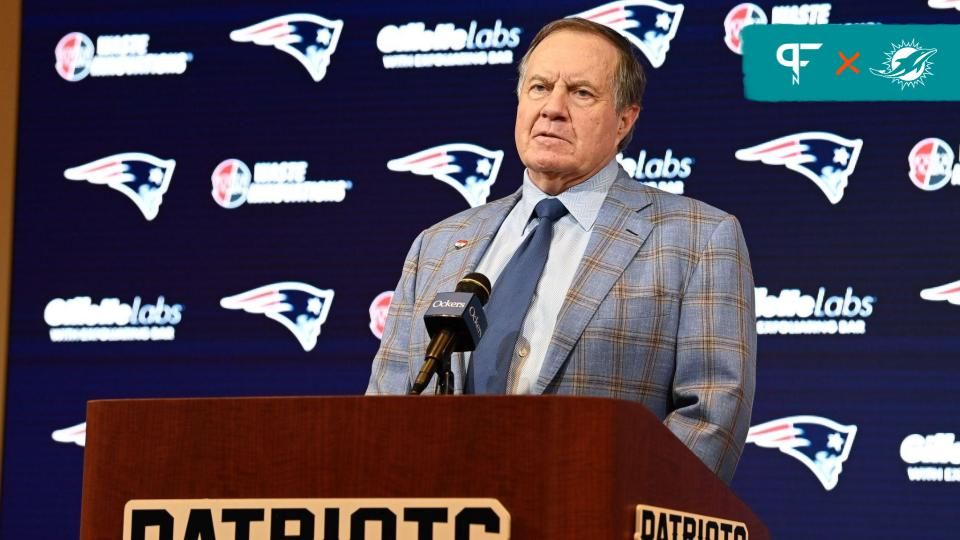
pixel 715 369
pixel 391 366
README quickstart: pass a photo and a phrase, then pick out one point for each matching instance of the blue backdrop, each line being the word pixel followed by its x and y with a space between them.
pixel 148 264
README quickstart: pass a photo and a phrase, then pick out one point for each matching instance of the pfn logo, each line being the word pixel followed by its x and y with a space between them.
pixel 467 168
pixel 826 159
pixel 932 166
pixel 794 62
pixel 141 177
pixel 300 308
pixel 649 25
pixel 311 39
pixel 821 444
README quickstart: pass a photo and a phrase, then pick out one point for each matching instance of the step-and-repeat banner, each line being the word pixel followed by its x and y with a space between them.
pixel 215 199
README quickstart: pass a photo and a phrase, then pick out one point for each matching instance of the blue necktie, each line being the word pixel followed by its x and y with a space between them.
pixel 509 302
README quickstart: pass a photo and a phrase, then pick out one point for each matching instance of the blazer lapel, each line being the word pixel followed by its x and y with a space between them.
pixel 621 228
pixel 477 230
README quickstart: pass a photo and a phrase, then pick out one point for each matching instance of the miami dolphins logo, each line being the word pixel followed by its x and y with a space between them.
pixel 907 64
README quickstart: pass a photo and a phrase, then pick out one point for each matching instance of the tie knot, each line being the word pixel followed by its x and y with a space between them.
pixel 552 209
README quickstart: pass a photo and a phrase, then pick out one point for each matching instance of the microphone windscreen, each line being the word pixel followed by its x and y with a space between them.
pixel 476 284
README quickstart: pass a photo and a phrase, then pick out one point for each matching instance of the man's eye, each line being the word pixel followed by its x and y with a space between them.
pixel 583 93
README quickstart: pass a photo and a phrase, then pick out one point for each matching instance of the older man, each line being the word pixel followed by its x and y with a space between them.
pixel 601 285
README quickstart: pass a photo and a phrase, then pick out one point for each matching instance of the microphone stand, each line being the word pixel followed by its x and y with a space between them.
pixel 445 376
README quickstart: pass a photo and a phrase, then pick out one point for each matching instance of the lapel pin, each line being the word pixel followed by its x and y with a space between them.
pixel 460 244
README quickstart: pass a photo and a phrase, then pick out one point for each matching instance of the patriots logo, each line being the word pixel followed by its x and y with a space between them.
pixel 949 292
pixel 71 435
pixel 826 159
pixel 467 168
pixel 821 444
pixel 649 25
pixel 141 177
pixel 311 39
pixel 944 4
pixel 301 308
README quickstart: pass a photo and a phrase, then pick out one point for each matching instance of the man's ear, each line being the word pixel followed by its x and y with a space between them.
pixel 627 117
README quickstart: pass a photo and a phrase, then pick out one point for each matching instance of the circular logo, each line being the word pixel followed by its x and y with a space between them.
pixel 231 180
pixel 931 161
pixel 378 312
pixel 74 56
pixel 740 17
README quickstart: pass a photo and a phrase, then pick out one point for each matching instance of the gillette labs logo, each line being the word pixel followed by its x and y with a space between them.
pixel 666 172
pixel 792 312
pixel 929 457
pixel 80 319
pixel 413 45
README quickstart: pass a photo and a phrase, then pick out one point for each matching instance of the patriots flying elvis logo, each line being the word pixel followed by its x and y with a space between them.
pixel 826 159
pixel 949 292
pixel 649 25
pixel 76 434
pixel 311 39
pixel 300 307
pixel 821 444
pixel 141 177
pixel 467 168
pixel 944 4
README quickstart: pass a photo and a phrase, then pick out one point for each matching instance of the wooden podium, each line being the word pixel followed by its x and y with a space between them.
pixel 562 467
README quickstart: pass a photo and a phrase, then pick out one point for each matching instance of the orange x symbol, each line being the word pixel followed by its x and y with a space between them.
pixel 848 62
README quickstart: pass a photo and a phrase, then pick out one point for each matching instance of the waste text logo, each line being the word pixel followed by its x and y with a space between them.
pixel 114 56
pixel 743 15
pixel 932 166
pixel 467 168
pixel 300 308
pixel 649 25
pixel 311 39
pixel 821 444
pixel 143 178
pixel 272 182
pixel 824 158
pixel 907 64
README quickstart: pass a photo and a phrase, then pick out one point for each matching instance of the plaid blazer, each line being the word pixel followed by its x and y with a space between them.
pixel 660 311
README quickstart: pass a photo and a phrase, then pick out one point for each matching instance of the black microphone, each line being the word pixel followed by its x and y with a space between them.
pixel 455 322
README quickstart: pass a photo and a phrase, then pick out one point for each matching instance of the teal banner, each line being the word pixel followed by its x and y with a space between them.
pixel 869 62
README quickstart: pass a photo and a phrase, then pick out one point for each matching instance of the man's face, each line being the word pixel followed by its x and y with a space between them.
pixel 567 126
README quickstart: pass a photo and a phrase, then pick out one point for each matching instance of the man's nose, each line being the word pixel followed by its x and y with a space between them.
pixel 555 107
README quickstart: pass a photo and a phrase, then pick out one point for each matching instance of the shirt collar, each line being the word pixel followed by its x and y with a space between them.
pixel 583 200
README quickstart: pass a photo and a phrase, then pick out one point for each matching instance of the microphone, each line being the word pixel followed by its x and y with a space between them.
pixel 455 322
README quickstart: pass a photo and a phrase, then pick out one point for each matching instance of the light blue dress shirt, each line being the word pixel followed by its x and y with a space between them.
pixel 570 236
